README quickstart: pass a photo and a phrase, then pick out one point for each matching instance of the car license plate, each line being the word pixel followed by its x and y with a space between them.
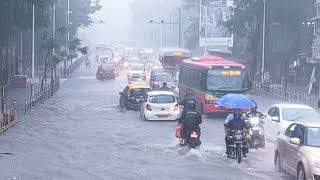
pixel 162 116
pixel 138 100
pixel 194 135
pixel 256 128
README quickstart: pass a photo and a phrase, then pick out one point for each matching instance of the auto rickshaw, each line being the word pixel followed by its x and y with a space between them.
pixel 133 95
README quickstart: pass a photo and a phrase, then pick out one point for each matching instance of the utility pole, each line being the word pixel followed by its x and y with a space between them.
pixel 200 21
pixel 205 30
pixel 21 52
pixel 161 32
pixel 54 26
pixel 180 44
pixel 263 41
pixel 54 38
pixel 32 61
pixel 68 35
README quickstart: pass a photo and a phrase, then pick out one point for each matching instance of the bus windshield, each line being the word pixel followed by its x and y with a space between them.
pixel 172 61
pixel 222 79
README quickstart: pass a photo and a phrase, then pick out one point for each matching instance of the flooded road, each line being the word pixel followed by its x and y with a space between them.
pixel 81 133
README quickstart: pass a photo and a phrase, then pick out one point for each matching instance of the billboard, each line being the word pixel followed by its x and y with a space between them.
pixel 213 33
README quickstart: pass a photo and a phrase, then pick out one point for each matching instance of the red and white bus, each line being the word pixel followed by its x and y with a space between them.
pixel 209 78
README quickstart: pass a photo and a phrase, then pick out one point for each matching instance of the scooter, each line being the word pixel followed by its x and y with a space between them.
pixel 256 131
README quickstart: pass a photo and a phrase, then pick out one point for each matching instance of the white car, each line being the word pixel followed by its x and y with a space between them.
pixel 136 71
pixel 160 105
pixel 280 116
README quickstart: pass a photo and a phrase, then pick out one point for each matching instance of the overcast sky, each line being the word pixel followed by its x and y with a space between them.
pixel 116 17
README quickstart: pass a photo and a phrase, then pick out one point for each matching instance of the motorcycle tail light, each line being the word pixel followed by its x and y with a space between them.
pixel 148 107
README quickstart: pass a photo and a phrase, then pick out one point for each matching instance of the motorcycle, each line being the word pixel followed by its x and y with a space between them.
pixel 236 147
pixel 192 138
pixel 256 131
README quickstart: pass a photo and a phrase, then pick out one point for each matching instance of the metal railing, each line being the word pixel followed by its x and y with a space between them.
pixel 282 94
pixel 9 117
pixel 41 96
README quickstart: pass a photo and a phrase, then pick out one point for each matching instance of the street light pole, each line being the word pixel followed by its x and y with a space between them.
pixel 200 21
pixel 32 60
pixel 161 33
pixel 54 25
pixel 68 35
pixel 205 30
pixel 180 45
pixel 21 52
pixel 263 41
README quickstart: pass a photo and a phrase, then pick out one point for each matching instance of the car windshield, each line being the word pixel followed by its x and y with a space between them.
pixel 222 79
pixel 164 78
pixel 139 91
pixel 104 59
pixel 313 136
pixel 299 114
pixel 163 98
pixel 137 67
pixel 107 68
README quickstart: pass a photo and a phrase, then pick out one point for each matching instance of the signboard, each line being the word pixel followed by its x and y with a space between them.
pixel 213 33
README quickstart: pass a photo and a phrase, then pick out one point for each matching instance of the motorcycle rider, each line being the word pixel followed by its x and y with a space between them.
pixel 164 87
pixel 253 113
pixel 189 119
pixel 234 121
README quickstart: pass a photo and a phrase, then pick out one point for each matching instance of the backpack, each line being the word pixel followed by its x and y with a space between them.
pixel 191 119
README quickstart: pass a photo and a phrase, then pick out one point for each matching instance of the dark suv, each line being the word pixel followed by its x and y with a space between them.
pixel 157 78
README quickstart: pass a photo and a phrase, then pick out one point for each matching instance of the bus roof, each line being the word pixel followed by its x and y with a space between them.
pixel 175 52
pixel 207 62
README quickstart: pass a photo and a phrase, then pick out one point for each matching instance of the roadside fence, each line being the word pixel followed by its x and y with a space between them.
pixel 41 96
pixel 282 94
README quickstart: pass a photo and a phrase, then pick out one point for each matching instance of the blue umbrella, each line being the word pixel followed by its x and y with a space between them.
pixel 236 101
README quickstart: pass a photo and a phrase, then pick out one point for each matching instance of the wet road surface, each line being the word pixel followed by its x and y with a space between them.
pixel 81 133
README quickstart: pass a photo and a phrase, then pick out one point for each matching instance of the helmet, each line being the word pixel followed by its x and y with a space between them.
pixel 191 104
pixel 253 109
pixel 237 113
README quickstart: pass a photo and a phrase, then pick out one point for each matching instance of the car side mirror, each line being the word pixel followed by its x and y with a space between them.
pixel 275 118
pixel 295 141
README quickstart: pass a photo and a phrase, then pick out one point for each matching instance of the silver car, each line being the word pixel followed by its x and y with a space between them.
pixel 298 150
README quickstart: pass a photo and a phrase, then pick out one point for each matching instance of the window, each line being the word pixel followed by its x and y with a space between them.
pixel 271 111
pixel 139 92
pixel 313 136
pixel 296 131
pixel 294 114
pixel 191 77
pixel 164 78
pixel 221 79
pixel 163 98
pixel 277 112
pixel 290 130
